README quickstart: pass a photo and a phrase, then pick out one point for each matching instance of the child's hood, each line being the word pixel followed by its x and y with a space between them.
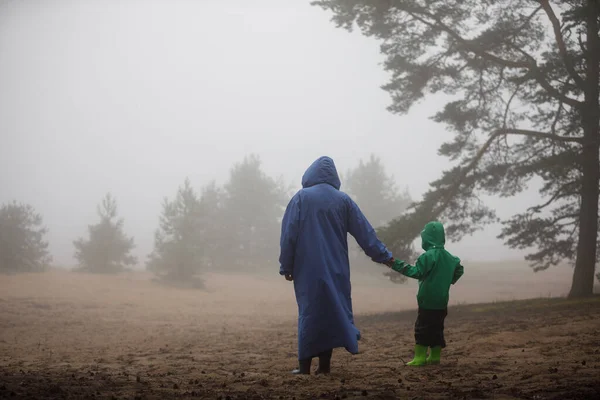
pixel 433 236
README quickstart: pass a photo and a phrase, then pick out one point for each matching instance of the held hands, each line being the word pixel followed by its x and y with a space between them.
pixel 390 263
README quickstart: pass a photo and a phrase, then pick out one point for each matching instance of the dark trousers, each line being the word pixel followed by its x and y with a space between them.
pixel 324 356
pixel 429 328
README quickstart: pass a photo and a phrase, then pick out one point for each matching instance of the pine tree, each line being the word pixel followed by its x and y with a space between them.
pixel 216 237
pixel 377 194
pixel 22 244
pixel 253 207
pixel 180 241
pixel 108 248
pixel 523 80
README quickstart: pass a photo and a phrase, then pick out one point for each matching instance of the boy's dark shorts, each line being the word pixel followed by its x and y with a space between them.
pixel 429 328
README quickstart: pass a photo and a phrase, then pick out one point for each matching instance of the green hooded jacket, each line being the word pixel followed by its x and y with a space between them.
pixel 436 269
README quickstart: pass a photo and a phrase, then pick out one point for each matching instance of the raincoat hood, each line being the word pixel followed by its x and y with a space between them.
pixel 433 236
pixel 321 171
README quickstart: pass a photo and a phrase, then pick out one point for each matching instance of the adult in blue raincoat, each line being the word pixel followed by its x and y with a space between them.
pixel 314 255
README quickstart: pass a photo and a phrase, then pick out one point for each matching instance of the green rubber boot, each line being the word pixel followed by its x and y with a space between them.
pixel 420 356
pixel 434 355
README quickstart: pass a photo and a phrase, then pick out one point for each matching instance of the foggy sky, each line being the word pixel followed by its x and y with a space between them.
pixel 132 96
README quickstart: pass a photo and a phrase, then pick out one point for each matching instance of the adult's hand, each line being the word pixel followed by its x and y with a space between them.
pixel 390 262
pixel 289 278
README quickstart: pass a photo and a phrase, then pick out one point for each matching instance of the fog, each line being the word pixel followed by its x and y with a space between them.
pixel 133 96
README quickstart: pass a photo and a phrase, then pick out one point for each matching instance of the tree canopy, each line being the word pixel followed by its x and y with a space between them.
pixel 379 198
pixel 235 227
pixel 375 191
pixel 253 203
pixel 22 244
pixel 180 240
pixel 108 249
pixel 522 77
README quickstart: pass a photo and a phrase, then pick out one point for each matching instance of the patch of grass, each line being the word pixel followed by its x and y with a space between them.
pixel 499 307
pixel 529 304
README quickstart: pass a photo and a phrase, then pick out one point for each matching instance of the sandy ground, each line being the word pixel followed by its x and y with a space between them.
pixel 73 335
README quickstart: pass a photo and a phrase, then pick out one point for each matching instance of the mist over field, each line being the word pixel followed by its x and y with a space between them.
pixel 133 97
pixel 149 149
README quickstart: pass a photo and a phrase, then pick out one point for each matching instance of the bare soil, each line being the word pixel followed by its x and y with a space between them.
pixel 74 335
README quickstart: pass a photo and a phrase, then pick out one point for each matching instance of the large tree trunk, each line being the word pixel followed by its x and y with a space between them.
pixel 585 265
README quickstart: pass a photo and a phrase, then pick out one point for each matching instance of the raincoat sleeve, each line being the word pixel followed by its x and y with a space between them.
pixel 289 236
pixel 417 271
pixel 365 235
pixel 458 272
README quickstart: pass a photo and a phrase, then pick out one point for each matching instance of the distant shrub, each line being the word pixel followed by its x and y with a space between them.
pixel 22 244
pixel 108 249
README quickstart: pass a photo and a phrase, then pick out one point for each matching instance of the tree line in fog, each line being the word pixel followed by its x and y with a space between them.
pixel 232 227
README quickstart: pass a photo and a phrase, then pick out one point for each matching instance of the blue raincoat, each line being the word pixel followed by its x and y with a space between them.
pixel 314 250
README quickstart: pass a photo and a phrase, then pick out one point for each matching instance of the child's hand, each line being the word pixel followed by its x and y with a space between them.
pixel 390 263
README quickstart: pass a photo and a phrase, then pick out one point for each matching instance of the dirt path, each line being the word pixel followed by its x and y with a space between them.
pixel 74 337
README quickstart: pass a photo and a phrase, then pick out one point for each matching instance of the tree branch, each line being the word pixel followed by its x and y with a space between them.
pixel 557 117
pixel 557 195
pixel 536 134
pixel 529 64
pixel 529 18
pixel 581 43
pixel 481 152
pixel 566 216
pixel 538 75
pixel 562 47
pixel 508 103
pixel 468 44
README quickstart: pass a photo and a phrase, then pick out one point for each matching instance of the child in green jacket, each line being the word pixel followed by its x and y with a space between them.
pixel 436 270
